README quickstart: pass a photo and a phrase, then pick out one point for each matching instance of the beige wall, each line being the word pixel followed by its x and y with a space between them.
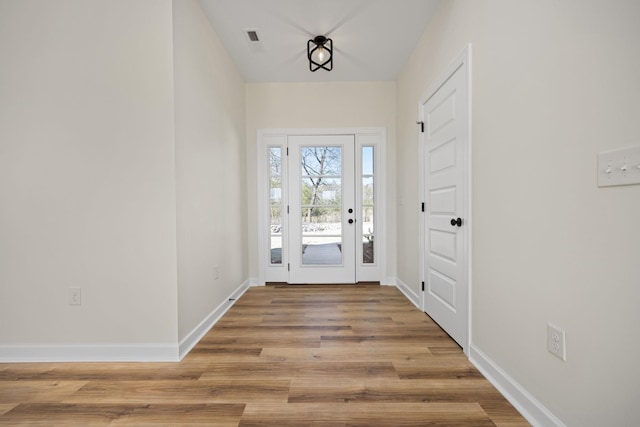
pixel 319 105
pixel 122 171
pixel 210 168
pixel 554 83
pixel 87 191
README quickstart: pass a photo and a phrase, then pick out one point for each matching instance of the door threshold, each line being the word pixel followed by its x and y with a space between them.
pixel 284 284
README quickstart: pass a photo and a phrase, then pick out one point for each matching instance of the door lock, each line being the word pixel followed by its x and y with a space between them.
pixel 456 221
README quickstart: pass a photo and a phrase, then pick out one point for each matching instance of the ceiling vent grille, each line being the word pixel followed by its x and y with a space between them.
pixel 253 35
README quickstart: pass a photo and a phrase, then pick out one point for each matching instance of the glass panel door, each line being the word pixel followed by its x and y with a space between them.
pixel 322 209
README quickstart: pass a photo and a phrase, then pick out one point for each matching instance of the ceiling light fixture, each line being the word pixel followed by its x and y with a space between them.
pixel 320 53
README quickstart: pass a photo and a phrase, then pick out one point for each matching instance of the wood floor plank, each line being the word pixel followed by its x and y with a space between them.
pixel 321 355
pixel 6 407
pixel 451 367
pixel 379 338
pixel 289 331
pixel 310 371
pixel 37 391
pixel 336 354
pixel 57 414
pixel 229 342
pixel 210 353
pixel 377 390
pixel 183 392
pixel 97 371
pixel 366 415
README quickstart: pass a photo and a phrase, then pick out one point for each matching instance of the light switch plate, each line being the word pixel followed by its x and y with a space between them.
pixel 619 167
pixel 75 296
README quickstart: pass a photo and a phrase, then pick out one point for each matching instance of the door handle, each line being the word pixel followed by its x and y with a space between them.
pixel 350 221
pixel 456 221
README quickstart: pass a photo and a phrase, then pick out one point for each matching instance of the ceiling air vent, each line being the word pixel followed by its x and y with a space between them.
pixel 253 35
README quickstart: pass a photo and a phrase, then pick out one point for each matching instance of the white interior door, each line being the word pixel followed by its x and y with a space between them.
pixel 446 146
pixel 322 209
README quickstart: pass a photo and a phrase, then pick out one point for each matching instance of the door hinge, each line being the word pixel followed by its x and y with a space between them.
pixel 287 208
pixel 287 151
pixel 421 126
pixel 288 267
pixel 422 286
pixel 422 206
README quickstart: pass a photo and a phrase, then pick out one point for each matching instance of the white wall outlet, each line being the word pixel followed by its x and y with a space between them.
pixel 216 272
pixel 556 341
pixel 75 296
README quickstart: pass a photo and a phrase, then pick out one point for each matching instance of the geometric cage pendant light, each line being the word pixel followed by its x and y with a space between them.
pixel 320 53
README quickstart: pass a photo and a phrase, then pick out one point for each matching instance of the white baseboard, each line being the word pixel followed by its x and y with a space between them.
pixel 167 352
pixel 192 338
pixel 530 408
pixel 409 293
pixel 89 353
pixel 389 281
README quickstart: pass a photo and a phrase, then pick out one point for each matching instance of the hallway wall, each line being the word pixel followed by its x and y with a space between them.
pixel 87 174
pixel 319 105
pixel 210 168
pixel 122 172
pixel 554 83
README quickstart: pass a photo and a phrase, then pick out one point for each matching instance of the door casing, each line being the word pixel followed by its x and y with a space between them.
pixel 461 62
pixel 374 136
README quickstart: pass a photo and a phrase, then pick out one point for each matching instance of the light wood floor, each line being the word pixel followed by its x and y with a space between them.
pixel 282 356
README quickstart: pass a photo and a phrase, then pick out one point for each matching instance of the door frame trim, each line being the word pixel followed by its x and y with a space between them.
pixel 462 60
pixel 362 135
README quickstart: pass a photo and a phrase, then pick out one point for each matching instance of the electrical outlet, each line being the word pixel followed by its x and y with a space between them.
pixel 75 296
pixel 216 272
pixel 556 342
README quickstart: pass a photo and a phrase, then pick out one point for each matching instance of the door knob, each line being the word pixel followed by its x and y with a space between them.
pixel 350 221
pixel 456 221
pixel 350 210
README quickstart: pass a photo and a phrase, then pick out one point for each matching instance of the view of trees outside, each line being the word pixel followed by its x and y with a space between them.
pixel 275 191
pixel 321 184
pixel 368 205
pixel 321 198
pixel 321 205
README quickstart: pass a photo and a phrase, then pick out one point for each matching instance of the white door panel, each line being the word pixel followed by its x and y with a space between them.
pixel 443 200
pixel 443 287
pixel 445 168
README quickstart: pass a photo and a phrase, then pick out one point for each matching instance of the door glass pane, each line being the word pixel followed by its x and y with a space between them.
pixel 275 197
pixel 368 200
pixel 321 250
pixel 321 161
pixel 367 161
pixel 367 235
pixel 321 208
pixel 318 191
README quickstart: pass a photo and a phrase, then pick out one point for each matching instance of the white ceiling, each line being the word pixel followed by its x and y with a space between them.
pixel 372 38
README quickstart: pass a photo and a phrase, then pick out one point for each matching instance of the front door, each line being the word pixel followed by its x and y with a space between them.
pixel 321 205
pixel 322 218
pixel 446 141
